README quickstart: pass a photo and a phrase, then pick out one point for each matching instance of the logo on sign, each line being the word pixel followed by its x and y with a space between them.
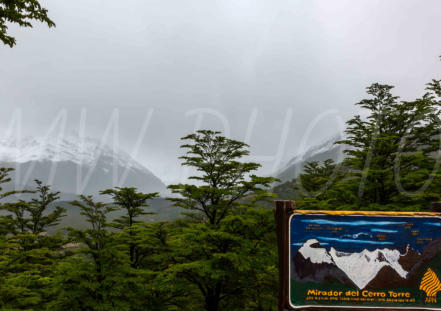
pixel 431 285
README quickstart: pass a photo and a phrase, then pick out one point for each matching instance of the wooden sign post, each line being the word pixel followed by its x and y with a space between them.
pixel 354 260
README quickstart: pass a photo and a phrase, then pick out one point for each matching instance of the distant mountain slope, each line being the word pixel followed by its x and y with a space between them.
pixel 163 209
pixel 321 152
pixel 74 166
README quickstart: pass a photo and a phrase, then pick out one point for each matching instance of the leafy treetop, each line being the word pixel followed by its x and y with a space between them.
pixel 132 201
pixel 224 179
pixel 21 12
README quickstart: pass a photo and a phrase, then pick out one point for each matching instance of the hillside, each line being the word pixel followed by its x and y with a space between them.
pixel 321 152
pixel 163 209
pixel 73 166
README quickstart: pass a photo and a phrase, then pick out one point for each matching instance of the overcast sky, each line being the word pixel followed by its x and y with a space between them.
pixel 283 75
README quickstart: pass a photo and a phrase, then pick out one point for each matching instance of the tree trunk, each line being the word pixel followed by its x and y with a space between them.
pixel 211 302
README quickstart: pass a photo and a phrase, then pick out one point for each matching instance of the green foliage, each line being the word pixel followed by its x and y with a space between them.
pixel 37 207
pixel 260 276
pixel 26 265
pixel 102 275
pixel 33 216
pixel 95 212
pixel 27 254
pixel 318 177
pixel 224 180
pixel 98 282
pixel 157 288
pixel 217 252
pixel 22 13
pixel 132 201
pixel 6 223
pixel 4 178
pixel 17 220
pixel 391 161
pixel 94 278
pixel 392 145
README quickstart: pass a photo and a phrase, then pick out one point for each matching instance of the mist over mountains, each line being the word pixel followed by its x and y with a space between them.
pixel 321 152
pixel 73 166
pixel 85 166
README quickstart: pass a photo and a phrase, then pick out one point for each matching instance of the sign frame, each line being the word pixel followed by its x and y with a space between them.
pixel 283 211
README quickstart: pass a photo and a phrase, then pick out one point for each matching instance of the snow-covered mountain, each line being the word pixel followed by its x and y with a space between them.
pixel 360 268
pixel 313 263
pixel 370 261
pixel 73 165
pixel 326 150
pixel 313 251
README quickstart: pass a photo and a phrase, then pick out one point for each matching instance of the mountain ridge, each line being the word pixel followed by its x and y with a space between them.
pixel 74 165
pixel 313 262
pixel 320 152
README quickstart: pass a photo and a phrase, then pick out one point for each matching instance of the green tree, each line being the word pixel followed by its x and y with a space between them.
pixel 392 149
pixel 95 278
pixel 316 183
pixel 37 215
pixel 22 13
pixel 157 288
pixel 317 178
pixel 38 208
pixel 7 224
pixel 212 253
pixel 28 255
pixel 133 203
pixel 27 264
pixel 18 222
pixel 391 157
pixel 5 178
pixel 223 179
